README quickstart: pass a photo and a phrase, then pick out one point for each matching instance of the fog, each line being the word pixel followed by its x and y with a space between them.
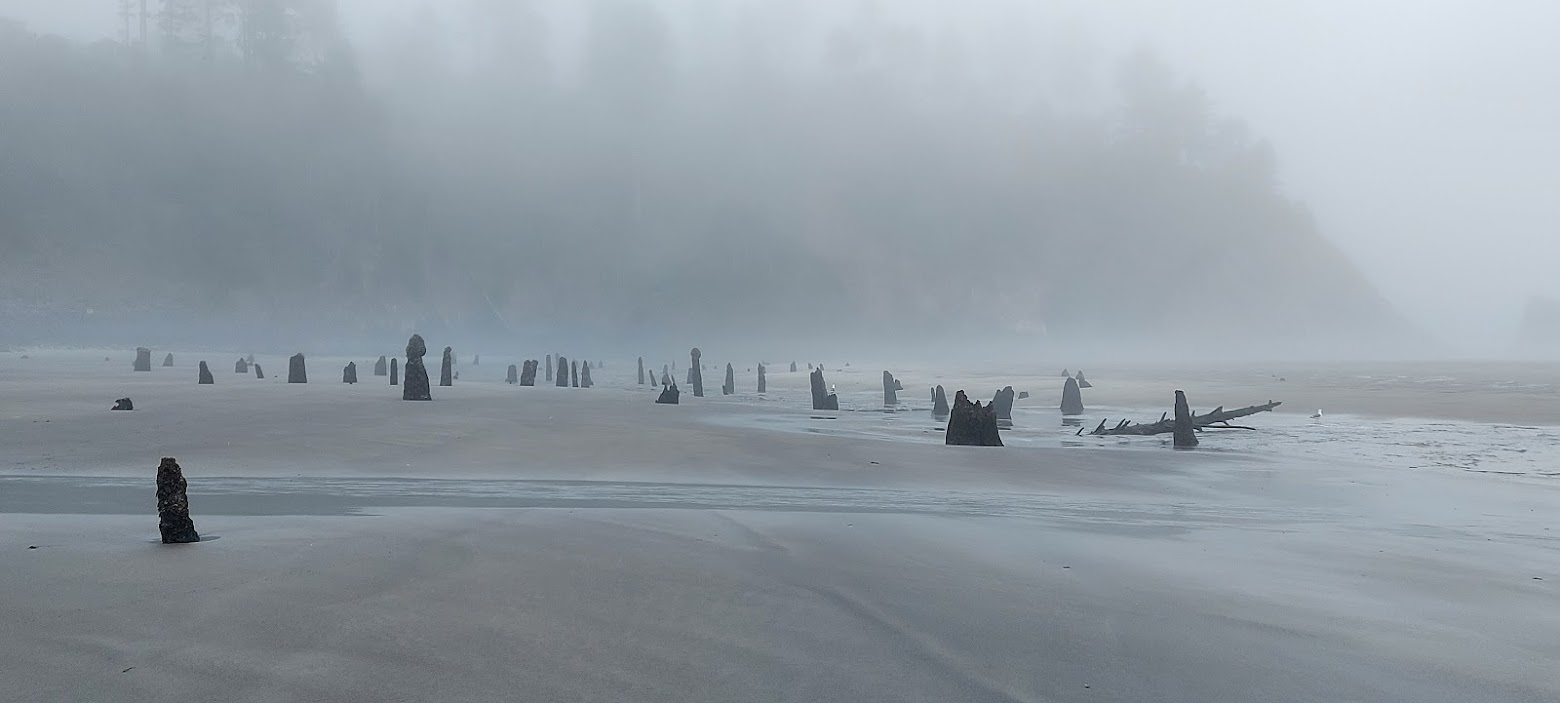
pixel 1121 177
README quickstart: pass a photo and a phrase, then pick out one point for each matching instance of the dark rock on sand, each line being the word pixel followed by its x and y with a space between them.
pixel 173 505
pixel 971 425
pixel 123 404
pixel 415 386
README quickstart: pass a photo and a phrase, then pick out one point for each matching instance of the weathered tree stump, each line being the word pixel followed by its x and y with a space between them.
pixel 695 374
pixel 1002 403
pixel 890 386
pixel 563 372
pixel 1072 398
pixel 512 376
pixel 168 361
pixel 730 386
pixel 381 367
pixel 585 381
pixel 415 386
pixel 259 373
pixel 395 372
pixel 123 404
pixel 666 377
pixel 762 383
pixel 241 366
pixel 793 367
pixel 143 359
pixel 574 373
pixel 641 371
pixel 939 403
pixel 528 372
pixel 669 395
pixel 205 375
pixel 297 372
pixel 549 367
pixel 476 359
pixel 971 425
pixel 1185 430
pixel 349 373
pixel 821 397
pixel 1083 382
pixel 173 505
pixel 446 368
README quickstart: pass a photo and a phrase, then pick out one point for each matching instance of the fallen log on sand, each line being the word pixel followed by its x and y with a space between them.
pixel 1218 419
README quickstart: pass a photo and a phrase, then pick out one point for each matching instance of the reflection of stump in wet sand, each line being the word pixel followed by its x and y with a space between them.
pixel 173 505
pixel 822 398
pixel 972 425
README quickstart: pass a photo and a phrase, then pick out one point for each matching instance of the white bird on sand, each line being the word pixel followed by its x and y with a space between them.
pixel 1317 415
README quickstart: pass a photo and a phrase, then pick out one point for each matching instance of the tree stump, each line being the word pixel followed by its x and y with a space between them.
pixel 1185 431
pixel 971 425
pixel 168 361
pixel 173 505
pixel 395 372
pixel 730 386
pixel 416 383
pixel 1072 398
pixel 297 372
pixel 890 388
pixel 205 375
pixel 259 373
pixel 349 373
pixel 381 367
pixel 1002 403
pixel 446 368
pixel 821 397
pixel 641 371
pixel 939 403
pixel 695 376
pixel 143 359
pixel 123 404
pixel 762 384
pixel 585 381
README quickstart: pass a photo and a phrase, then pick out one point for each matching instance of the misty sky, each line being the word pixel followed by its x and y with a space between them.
pixel 1424 134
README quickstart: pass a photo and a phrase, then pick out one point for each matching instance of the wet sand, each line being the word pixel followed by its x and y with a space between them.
pixel 551 544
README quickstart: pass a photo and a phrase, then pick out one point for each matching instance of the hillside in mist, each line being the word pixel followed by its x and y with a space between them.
pixel 650 177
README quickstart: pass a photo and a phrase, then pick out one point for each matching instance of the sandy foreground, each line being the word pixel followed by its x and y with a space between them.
pixel 556 545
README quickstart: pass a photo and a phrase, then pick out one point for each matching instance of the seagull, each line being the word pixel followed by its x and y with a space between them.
pixel 1317 415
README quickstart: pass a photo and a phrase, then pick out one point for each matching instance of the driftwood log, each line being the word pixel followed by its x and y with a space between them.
pixel 1219 418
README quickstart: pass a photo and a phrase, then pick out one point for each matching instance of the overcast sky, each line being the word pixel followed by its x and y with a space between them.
pixel 1425 134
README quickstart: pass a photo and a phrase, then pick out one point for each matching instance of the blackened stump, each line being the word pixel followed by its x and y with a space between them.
pixel 349 374
pixel 415 386
pixel 205 375
pixel 585 381
pixel 259 373
pixel 669 395
pixel 821 397
pixel 563 372
pixel 939 403
pixel 395 372
pixel 695 376
pixel 1072 398
pixel 762 384
pixel 890 386
pixel 1002 403
pixel 123 404
pixel 297 372
pixel 971 425
pixel 549 367
pixel 1185 431
pixel 173 505
pixel 730 386
pixel 445 368
pixel 241 366
pixel 574 374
